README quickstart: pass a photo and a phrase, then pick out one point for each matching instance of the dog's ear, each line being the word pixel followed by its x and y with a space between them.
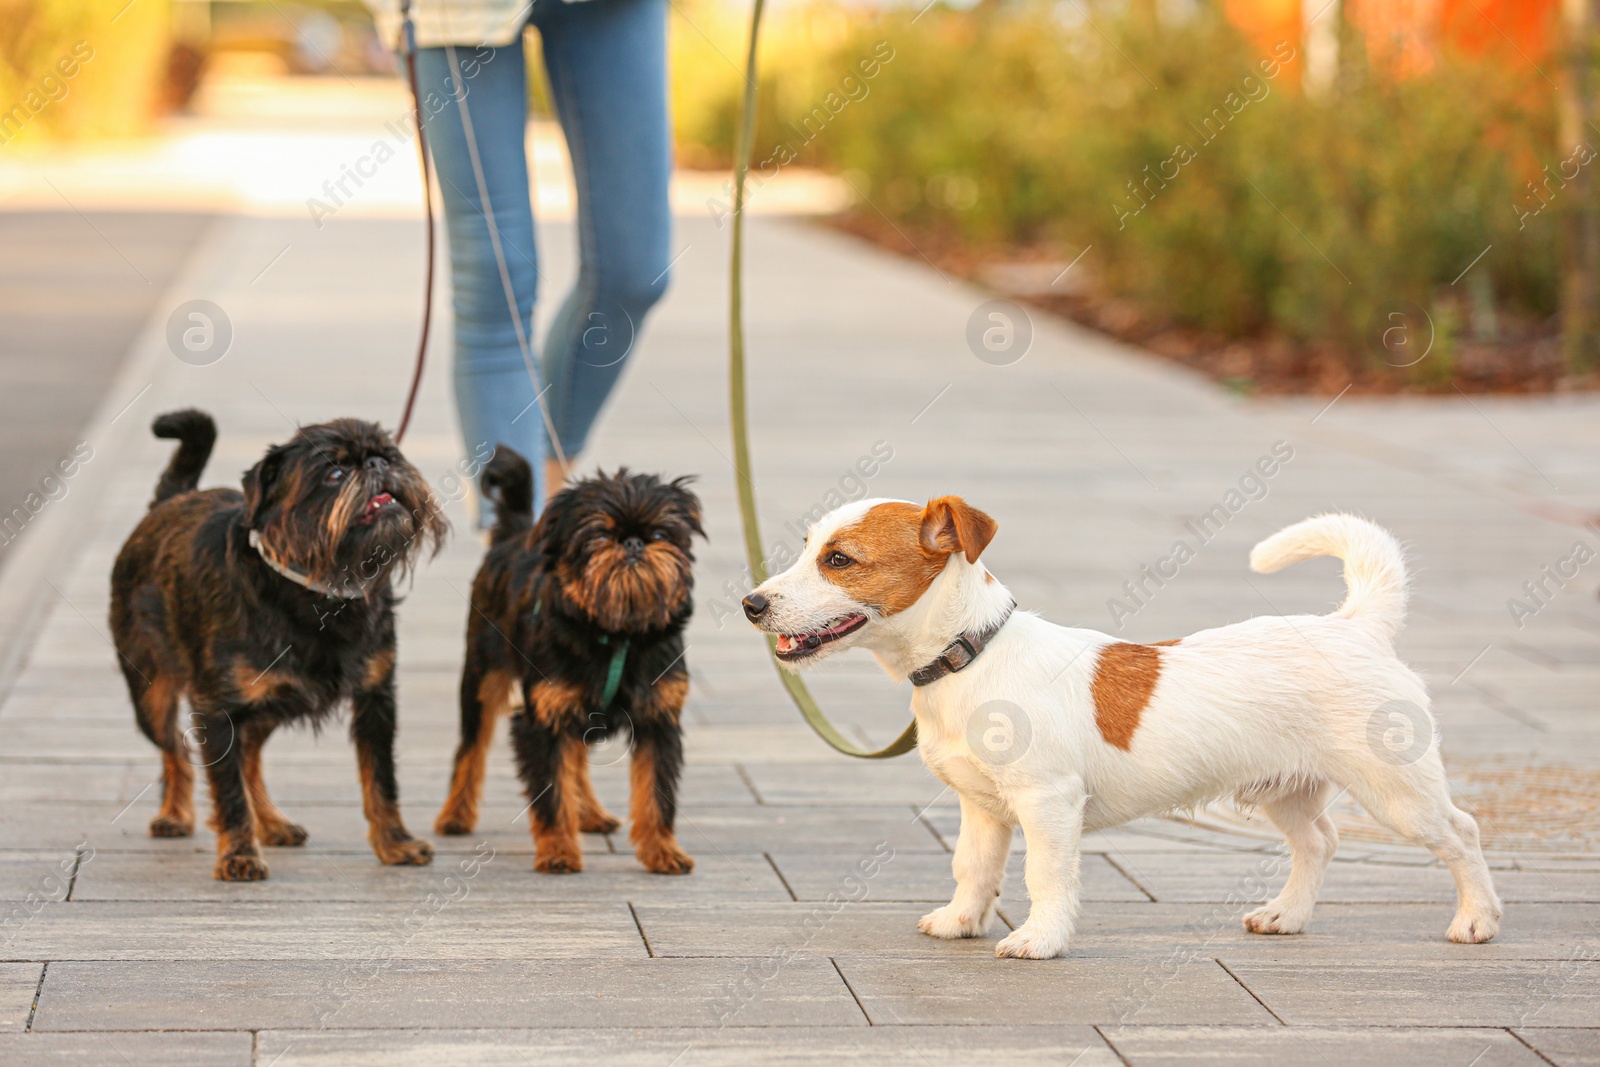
pixel 691 503
pixel 260 481
pixel 950 524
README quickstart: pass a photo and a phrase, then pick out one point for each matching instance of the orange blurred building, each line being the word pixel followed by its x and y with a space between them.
pixel 1405 35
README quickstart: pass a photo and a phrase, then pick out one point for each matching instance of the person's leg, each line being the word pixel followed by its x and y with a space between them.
pixel 607 62
pixel 475 105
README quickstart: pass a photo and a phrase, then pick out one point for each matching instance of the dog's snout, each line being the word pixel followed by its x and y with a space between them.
pixel 634 547
pixel 377 464
pixel 755 606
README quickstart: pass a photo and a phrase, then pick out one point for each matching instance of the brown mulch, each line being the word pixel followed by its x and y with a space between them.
pixel 1527 360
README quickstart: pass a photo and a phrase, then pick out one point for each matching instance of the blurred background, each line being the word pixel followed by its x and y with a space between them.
pixel 1278 193
pixel 1155 147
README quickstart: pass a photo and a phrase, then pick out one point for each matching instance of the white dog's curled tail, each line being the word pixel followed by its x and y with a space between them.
pixel 1374 565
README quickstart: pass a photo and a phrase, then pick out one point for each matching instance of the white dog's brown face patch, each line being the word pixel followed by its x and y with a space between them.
pixel 889 556
pixel 1124 678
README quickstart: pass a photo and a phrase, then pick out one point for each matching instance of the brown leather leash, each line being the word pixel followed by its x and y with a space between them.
pixel 409 45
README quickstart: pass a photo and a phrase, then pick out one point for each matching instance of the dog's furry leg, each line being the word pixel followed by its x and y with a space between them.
pixel 155 696
pixel 546 760
pixel 238 855
pixel 1302 816
pixel 653 797
pixel 272 826
pixel 372 728
pixel 1414 801
pixel 980 868
pixel 485 695
pixel 593 818
pixel 1051 814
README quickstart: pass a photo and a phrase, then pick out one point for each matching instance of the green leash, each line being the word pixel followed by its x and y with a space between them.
pixel 741 442
pixel 619 660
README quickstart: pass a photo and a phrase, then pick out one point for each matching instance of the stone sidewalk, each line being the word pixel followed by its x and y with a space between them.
pixel 121 948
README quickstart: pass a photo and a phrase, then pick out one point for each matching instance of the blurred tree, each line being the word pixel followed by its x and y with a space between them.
pixel 1581 248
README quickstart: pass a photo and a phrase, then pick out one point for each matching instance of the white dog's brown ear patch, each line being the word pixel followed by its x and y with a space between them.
pixel 1124 679
pixel 892 569
pixel 950 524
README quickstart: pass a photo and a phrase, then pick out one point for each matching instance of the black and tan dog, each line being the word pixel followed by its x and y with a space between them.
pixel 586 611
pixel 268 607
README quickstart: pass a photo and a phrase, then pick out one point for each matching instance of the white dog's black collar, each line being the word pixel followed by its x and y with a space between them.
pixel 961 652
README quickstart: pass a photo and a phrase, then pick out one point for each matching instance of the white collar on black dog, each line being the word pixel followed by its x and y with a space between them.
pixel 300 578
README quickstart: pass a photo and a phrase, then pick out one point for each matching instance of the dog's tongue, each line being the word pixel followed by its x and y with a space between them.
pixel 378 501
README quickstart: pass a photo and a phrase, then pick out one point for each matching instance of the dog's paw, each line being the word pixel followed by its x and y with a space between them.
pixel 599 821
pixel 454 823
pixel 665 857
pixel 1274 918
pixel 171 826
pixel 282 835
pixel 1473 928
pixel 239 867
pixel 1030 942
pixel 407 851
pixel 559 863
pixel 950 922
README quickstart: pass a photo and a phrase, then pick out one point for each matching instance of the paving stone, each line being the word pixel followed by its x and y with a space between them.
pixel 1564 1047
pixel 851 831
pixel 1258 1047
pixel 508 878
pixel 1183 878
pixel 1558 993
pixel 33 877
pixel 777 1046
pixel 1095 992
pixel 439 922
pixel 927 877
pixel 1162 934
pixel 128 1048
pixel 905 780
pixel 18 983
pixel 808 928
pixel 409 994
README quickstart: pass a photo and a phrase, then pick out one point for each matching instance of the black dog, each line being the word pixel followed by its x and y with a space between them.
pixel 586 610
pixel 268 607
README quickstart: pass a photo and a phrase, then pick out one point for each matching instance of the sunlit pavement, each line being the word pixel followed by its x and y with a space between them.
pixel 1095 460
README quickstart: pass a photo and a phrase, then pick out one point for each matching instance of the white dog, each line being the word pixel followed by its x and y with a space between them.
pixel 1063 730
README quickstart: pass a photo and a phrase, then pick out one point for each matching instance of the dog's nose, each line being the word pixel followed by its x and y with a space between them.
pixel 377 463
pixel 755 606
pixel 634 546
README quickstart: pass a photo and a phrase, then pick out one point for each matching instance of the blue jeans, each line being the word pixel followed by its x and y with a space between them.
pixel 607 66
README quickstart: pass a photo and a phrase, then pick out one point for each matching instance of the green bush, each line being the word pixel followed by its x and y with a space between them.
pixel 1214 191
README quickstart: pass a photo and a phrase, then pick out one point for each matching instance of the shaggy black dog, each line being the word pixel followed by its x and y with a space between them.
pixel 266 607
pixel 586 611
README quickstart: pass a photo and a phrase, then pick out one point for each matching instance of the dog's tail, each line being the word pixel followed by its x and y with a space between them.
pixel 508 481
pixel 195 433
pixel 1374 565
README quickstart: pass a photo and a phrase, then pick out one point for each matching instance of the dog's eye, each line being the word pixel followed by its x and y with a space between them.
pixel 334 476
pixel 839 559
pixel 658 535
